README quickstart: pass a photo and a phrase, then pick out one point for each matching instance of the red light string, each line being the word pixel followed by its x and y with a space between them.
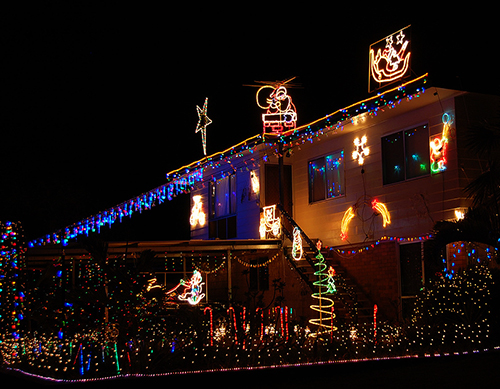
pixel 211 325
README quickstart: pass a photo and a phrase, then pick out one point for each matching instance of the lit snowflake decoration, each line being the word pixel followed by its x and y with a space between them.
pixel 361 150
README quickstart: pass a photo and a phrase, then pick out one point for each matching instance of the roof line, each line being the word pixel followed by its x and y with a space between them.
pixel 354 104
pixel 289 132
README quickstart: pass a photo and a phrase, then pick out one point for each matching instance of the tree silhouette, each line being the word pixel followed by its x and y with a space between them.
pixel 482 220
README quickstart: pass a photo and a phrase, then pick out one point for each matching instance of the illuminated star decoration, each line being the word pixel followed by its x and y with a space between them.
pixel 203 122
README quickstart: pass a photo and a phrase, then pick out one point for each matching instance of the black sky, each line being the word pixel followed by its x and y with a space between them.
pixel 99 104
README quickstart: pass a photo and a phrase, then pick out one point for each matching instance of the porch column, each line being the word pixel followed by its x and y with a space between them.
pixel 229 278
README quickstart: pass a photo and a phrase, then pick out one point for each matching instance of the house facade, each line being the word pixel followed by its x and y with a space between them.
pixel 368 181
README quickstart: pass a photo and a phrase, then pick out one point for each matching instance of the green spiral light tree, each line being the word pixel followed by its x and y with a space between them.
pixel 324 307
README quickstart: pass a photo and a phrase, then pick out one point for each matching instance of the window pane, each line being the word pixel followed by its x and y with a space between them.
pixel 417 151
pixel 222 197
pixel 233 193
pixel 259 276
pixel 317 180
pixel 393 158
pixel 410 257
pixel 335 174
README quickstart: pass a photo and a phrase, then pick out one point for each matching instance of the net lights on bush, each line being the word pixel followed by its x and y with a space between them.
pixel 12 295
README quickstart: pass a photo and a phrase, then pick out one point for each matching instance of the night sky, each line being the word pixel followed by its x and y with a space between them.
pixel 99 104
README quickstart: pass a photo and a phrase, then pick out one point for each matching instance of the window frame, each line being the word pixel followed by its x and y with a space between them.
pixel 310 179
pixel 223 226
pixel 405 167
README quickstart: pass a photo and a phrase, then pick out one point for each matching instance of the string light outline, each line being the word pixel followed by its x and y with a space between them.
pixel 361 150
pixel 397 62
pixel 203 122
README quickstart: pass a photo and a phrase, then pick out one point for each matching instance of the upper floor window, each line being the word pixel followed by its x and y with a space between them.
pixel 223 197
pixel 222 223
pixel 405 154
pixel 326 177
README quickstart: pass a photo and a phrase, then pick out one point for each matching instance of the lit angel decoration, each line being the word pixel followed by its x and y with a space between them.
pixel 393 61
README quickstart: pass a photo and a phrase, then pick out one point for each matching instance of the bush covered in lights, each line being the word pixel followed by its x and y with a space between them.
pixel 118 321
pixel 456 314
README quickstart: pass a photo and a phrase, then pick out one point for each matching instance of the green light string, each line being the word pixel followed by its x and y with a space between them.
pixel 117 362
pixel 325 304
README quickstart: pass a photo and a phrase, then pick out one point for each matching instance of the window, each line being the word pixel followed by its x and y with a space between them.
pixel 405 154
pixel 326 177
pixel 223 196
pixel 259 275
pixel 222 208
pixel 411 273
